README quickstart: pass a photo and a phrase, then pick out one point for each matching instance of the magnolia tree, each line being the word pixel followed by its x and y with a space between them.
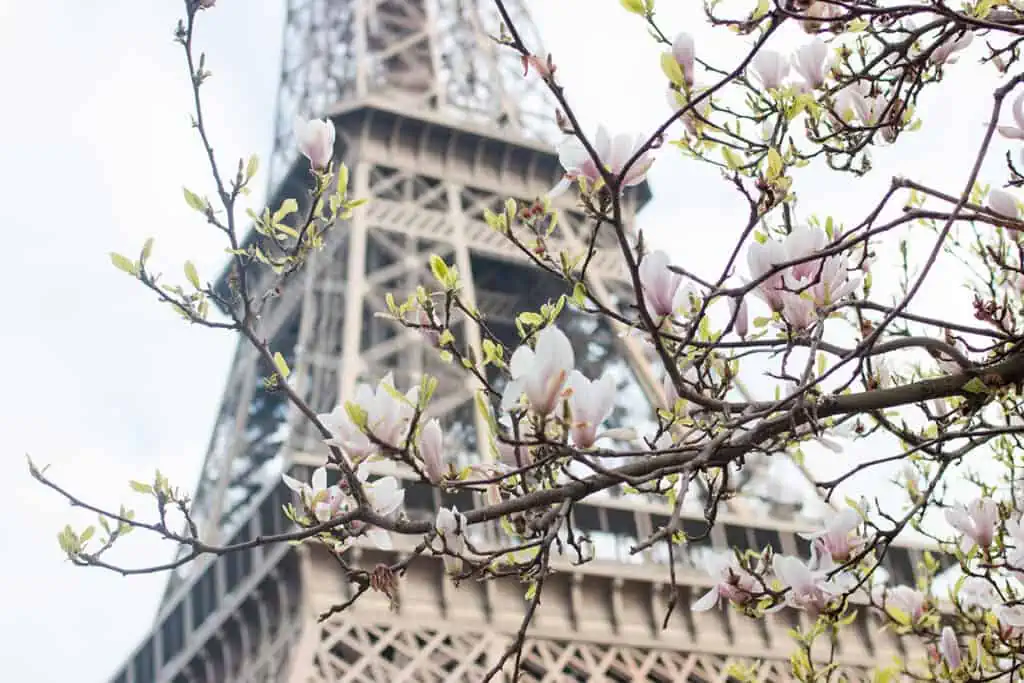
pixel 804 303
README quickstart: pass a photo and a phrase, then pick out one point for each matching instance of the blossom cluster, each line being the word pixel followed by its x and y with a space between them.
pixel 812 283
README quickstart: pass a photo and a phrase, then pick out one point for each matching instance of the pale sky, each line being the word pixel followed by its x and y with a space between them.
pixel 105 385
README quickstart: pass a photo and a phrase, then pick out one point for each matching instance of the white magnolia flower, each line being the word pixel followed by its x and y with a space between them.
pixel 735 584
pixel 324 501
pixel 662 290
pixel 540 373
pixel 1015 555
pixel 613 153
pixel 975 521
pixel 944 53
pixel 385 496
pixel 1003 203
pixel 909 601
pixel 837 539
pixel 346 435
pixel 977 592
pixel 812 63
pixel 432 450
pixel 851 100
pixel 762 258
pixel 1015 132
pixel 590 404
pixel 798 310
pixel 387 416
pixel 451 525
pixel 316 141
pixel 769 68
pixel 799 290
pixel 1011 619
pixel 809 586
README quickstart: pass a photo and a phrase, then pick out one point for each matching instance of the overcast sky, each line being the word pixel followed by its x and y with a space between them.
pixel 105 385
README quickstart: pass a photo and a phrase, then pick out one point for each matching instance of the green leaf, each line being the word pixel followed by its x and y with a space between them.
pixel 530 318
pixel 427 388
pixel 634 6
pixel 147 249
pixel 282 365
pixel 87 534
pixel 975 386
pixel 775 164
pixel 439 268
pixel 139 487
pixel 670 67
pixel 194 200
pixel 356 414
pixel 252 166
pixel 343 181
pixel 732 160
pixel 287 208
pixel 123 263
pixel 579 295
pixel 192 275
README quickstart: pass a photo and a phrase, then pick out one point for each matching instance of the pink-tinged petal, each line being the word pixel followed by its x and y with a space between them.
pixel 706 601
pixel 1018 112
pixel 386 495
pixel 742 323
pixel 319 479
pixel 432 450
pixel 1011 132
pixel 846 521
pixel 958 518
pixel 1010 616
pixel 684 51
pixel 638 171
pixel 1003 203
pixel 572 154
pixel 791 571
pixel 1013 527
pixel 621 151
pixel 521 361
pixel 841 583
pixel 554 348
pixel 512 394
pixel 950 648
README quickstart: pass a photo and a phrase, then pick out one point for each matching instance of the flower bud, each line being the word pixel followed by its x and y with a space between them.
pixel 432 451
pixel 949 648
pixel 742 322
pixel 1002 203
pixel 683 52
pixel 316 141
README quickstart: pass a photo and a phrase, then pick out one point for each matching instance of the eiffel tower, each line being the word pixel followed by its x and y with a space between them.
pixel 437 124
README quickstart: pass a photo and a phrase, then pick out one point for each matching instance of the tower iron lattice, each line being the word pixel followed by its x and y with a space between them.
pixel 437 125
